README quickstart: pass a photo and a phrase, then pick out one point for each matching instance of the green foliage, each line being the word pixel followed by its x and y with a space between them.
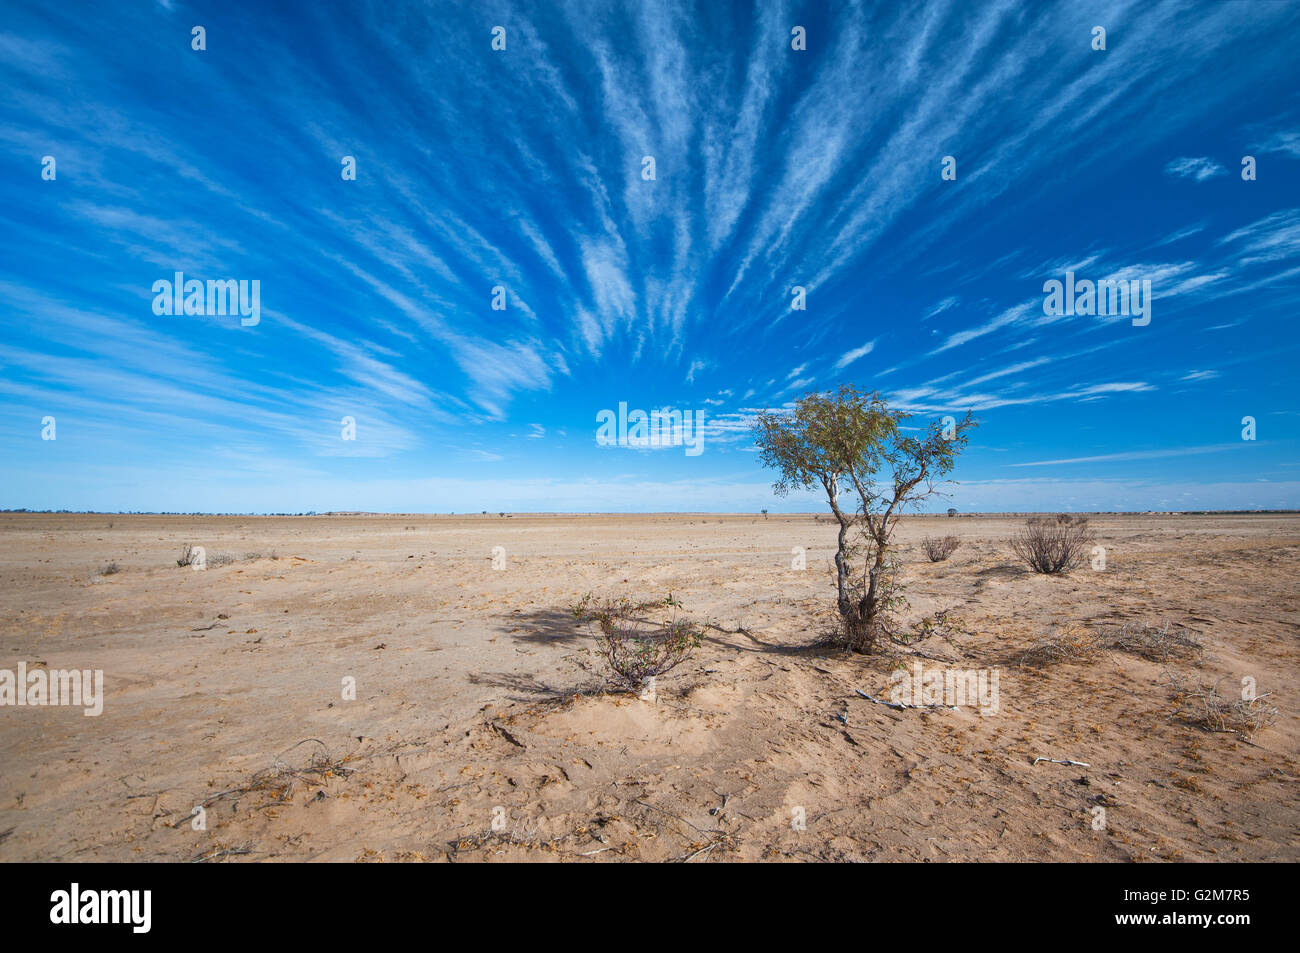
pixel 634 646
pixel 851 443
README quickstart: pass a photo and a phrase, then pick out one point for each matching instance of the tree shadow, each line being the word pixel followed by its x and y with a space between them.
pixel 529 688
pixel 743 640
pixel 559 627
pixel 546 627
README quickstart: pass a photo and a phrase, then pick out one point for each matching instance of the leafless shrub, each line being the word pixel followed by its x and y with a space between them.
pixel 1074 643
pixel 1207 709
pixel 1069 643
pixel 1157 643
pixel 937 550
pixel 187 556
pixel 635 646
pixel 1053 545
pixel 221 559
pixel 110 569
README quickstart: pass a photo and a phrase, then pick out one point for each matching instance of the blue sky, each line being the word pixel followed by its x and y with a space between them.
pixel 523 168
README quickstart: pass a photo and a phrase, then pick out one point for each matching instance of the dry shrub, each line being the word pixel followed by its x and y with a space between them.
pixel 634 644
pixel 190 554
pixel 1074 643
pixel 1207 709
pixel 1053 544
pixel 1069 643
pixel 1156 643
pixel 110 570
pixel 937 550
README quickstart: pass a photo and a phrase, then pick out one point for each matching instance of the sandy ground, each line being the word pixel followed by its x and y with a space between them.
pixel 478 699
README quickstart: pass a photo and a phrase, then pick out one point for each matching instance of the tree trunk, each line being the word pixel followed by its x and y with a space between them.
pixel 842 570
pixel 869 607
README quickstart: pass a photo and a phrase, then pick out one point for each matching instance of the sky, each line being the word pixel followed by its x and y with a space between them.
pixel 442 330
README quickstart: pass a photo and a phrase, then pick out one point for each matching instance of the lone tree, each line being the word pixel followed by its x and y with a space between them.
pixel 851 443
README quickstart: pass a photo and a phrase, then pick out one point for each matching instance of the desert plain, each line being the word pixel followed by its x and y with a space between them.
pixel 480 726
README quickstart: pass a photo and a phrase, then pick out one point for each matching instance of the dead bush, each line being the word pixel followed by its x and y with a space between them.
pixel 1157 643
pixel 1068 643
pixel 635 645
pixel 1205 708
pixel 1053 544
pixel 937 550
pixel 1075 643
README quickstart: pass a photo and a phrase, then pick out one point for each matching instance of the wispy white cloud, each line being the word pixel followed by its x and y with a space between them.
pixel 848 357
pixel 1200 169
pixel 1134 455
